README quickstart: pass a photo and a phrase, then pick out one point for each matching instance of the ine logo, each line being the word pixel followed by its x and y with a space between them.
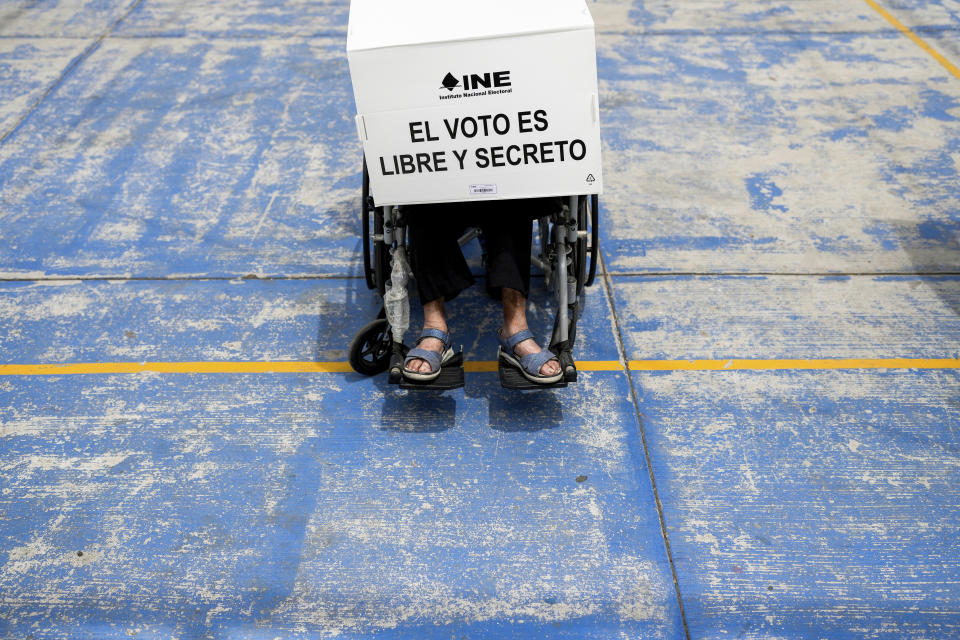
pixel 489 82
pixel 450 82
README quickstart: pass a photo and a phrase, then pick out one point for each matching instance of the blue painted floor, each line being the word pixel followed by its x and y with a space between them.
pixel 179 182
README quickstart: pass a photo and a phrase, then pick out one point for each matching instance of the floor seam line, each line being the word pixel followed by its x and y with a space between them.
pixel 623 274
pixel 179 278
pixel 334 33
pixel 792 274
pixel 621 347
pixel 201 278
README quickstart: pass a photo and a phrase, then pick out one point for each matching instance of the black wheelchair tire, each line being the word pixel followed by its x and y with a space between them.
pixel 381 255
pixel 594 238
pixel 368 267
pixel 580 253
pixel 371 348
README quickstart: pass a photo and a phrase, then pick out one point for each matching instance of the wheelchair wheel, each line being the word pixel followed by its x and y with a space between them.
pixel 371 348
pixel 381 255
pixel 580 250
pixel 594 238
pixel 376 254
pixel 544 228
pixel 368 273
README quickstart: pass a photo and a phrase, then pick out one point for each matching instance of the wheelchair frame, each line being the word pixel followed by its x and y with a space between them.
pixel 564 248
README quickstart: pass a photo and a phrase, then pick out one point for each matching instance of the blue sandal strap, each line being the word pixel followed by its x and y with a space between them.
pixel 533 362
pixel 430 357
pixel 511 342
pixel 442 336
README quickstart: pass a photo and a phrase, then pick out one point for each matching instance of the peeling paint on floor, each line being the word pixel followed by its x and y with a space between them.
pixel 179 182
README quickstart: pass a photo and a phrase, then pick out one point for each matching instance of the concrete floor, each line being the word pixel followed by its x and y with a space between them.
pixel 782 208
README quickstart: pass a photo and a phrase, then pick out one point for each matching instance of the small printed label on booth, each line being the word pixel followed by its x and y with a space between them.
pixel 482 189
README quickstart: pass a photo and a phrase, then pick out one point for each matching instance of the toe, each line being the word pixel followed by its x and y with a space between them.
pixel 551 368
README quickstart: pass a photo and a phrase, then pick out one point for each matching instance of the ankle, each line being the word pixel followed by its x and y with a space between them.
pixel 440 325
pixel 512 327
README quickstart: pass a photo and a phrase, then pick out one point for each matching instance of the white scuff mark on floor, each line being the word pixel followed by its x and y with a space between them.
pixel 594 508
pixel 49 462
pixel 26 558
pixel 263 217
pixel 58 353
pixel 23 275
pixel 212 613
pixel 119 232
pixel 200 324
pixel 749 482
pixel 720 425
pixel 282 311
pixel 706 538
pixel 202 470
pixel 46 284
pixel 56 306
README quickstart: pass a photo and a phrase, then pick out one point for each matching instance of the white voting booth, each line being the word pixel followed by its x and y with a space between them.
pixel 460 100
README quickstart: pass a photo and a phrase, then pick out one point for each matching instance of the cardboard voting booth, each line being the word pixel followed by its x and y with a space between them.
pixel 471 100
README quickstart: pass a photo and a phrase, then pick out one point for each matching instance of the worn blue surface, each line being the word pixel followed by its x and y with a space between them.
pixel 770 317
pixel 47 19
pixel 211 140
pixel 28 67
pixel 210 504
pixel 810 505
pixel 258 20
pixel 786 153
pixel 216 320
pixel 181 156
pixel 804 504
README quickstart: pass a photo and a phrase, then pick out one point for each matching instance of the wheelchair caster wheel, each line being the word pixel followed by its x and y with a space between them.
pixel 371 348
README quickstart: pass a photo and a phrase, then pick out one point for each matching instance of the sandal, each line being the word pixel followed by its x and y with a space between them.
pixel 436 359
pixel 530 364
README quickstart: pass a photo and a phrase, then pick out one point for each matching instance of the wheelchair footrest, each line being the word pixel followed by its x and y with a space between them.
pixel 451 377
pixel 512 378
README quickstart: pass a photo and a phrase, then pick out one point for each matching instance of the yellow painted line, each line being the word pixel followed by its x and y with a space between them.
pixel 795 365
pixel 172 367
pixel 479 366
pixel 600 365
pixel 952 68
pixel 486 366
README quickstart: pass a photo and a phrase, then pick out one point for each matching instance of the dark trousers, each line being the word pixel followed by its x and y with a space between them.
pixel 435 257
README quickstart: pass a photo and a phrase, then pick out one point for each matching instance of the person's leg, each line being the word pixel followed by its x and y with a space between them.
pixel 514 320
pixel 507 234
pixel 438 266
pixel 437 263
pixel 507 229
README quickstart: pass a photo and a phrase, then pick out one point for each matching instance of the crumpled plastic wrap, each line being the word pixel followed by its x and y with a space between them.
pixel 396 302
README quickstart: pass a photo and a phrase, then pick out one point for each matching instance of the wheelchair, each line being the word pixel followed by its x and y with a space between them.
pixel 567 253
